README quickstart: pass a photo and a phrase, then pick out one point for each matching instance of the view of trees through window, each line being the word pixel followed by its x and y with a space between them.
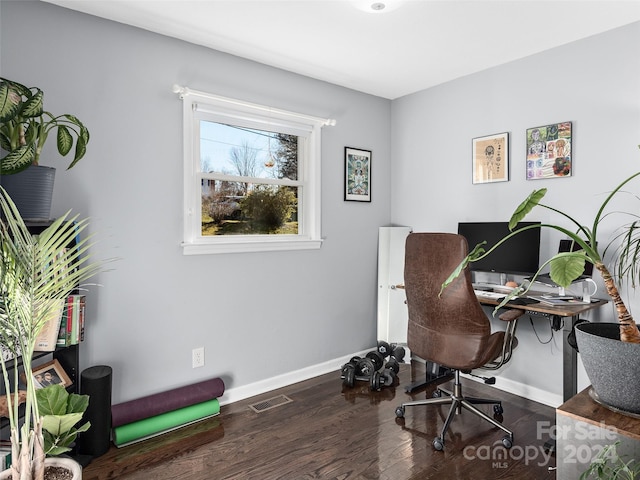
pixel 249 180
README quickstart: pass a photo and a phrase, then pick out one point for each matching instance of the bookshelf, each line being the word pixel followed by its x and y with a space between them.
pixel 68 356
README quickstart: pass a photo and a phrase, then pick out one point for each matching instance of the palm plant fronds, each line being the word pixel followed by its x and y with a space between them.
pixel 37 273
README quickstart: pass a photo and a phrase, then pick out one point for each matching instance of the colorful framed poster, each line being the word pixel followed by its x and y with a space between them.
pixel 357 175
pixel 549 151
pixel 491 158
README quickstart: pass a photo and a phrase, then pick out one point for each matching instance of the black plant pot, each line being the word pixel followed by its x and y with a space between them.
pixel 613 367
pixel 31 190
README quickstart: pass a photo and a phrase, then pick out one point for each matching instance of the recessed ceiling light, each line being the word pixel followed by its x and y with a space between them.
pixel 372 6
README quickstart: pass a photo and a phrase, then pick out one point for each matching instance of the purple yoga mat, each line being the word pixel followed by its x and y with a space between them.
pixel 146 407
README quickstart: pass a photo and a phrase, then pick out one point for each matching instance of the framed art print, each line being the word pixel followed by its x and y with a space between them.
pixel 357 175
pixel 549 151
pixel 491 158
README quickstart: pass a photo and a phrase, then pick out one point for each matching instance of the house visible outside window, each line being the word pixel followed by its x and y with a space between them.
pixel 251 176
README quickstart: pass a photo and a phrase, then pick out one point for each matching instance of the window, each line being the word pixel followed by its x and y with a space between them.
pixel 251 176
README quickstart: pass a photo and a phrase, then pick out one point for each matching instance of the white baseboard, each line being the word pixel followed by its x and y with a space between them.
pixel 536 394
pixel 526 391
pixel 263 386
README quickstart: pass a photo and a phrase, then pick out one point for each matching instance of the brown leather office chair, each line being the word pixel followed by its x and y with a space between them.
pixel 451 328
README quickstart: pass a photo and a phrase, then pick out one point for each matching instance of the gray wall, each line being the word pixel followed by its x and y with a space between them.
pixel 264 315
pixel 257 315
pixel 595 83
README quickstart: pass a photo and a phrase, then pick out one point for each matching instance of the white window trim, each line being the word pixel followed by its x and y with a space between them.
pixel 262 117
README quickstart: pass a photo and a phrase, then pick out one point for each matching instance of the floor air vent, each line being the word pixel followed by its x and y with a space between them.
pixel 270 403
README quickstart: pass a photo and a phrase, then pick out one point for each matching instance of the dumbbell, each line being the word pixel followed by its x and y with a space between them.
pixel 393 365
pixel 384 348
pixel 376 380
pixel 360 367
pixel 391 350
pixel 350 373
pixel 376 358
pixel 398 352
pixel 384 378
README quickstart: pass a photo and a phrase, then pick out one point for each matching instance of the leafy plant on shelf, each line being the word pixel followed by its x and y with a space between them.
pixel 25 128
pixel 566 267
pixel 37 274
pixel 60 413
pixel 608 465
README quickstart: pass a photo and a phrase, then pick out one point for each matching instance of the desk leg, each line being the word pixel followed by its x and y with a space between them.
pixel 569 373
pixel 569 363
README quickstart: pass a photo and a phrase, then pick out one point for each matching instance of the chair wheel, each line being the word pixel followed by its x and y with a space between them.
pixel 497 409
pixel 507 441
pixel 400 412
pixel 438 444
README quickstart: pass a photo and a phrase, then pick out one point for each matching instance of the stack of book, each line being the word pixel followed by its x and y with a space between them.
pixel 66 328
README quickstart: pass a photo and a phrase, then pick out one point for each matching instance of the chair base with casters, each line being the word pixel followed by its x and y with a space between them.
pixel 458 402
pixel 435 373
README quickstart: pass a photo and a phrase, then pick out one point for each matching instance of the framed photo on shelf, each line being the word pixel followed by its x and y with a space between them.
pixel 490 158
pixel 50 373
pixel 357 175
pixel 549 151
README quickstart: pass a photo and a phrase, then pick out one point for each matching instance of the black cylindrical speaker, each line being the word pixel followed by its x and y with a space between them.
pixel 96 382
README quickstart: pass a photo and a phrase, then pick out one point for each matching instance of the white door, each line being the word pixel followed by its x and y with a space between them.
pixel 392 310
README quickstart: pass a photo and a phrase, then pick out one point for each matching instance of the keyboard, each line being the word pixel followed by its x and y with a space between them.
pixel 489 295
pixel 486 286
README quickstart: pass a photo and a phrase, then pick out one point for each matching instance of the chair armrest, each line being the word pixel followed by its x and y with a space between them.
pixel 511 315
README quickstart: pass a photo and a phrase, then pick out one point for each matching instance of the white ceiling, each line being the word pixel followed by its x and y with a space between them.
pixel 409 46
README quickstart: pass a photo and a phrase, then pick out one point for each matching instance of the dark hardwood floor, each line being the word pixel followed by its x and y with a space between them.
pixel 332 432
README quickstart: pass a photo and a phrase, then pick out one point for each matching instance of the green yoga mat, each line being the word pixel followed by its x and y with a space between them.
pixel 165 422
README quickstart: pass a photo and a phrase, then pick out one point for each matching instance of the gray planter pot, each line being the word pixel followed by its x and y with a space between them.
pixel 31 190
pixel 613 367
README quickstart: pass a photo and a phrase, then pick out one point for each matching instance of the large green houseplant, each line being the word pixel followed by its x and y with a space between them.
pixel 25 127
pixel 36 274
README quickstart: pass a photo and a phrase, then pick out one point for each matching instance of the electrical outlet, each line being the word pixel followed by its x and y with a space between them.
pixel 197 357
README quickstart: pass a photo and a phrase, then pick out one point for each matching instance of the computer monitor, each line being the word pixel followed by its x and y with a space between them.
pixel 519 255
pixel 571 246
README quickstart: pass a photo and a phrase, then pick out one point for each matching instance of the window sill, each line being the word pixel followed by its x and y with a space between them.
pixel 248 245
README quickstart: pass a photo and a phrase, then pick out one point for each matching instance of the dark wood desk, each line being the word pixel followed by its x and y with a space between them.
pixel 569 355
